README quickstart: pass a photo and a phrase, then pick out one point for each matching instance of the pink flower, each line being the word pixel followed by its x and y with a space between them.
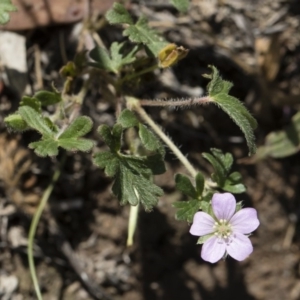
pixel 227 229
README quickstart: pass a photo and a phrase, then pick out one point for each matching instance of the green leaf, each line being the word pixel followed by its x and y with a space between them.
pixel 156 164
pixel 131 187
pixel 222 164
pixel 112 138
pixel 181 5
pixel 113 61
pixel 128 119
pixel 149 139
pixel 118 59
pixel 46 147
pixel 225 159
pixel 118 14
pixel 48 98
pixel 235 177
pixel 186 210
pixel 131 178
pixel 142 33
pixel 220 172
pixel 200 182
pixel 35 121
pixel 101 56
pixel 218 91
pixel 5 7
pixel 15 122
pixel 235 189
pixel 74 144
pixel 184 185
pixel 79 127
pixel 32 102
pixel 281 143
pixel 101 160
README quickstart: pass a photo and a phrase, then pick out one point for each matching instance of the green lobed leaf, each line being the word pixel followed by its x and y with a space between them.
pixel 35 121
pixel 46 147
pixel 128 119
pixel 107 160
pixel 32 102
pixel 132 184
pixel 181 5
pixel 5 7
pixel 155 163
pixel 112 138
pixel 131 187
pixel 184 185
pixel 118 14
pixel 218 90
pixel 149 139
pixel 15 122
pixel 142 33
pixel 118 59
pixel 186 210
pixel 48 98
pixel 74 144
pixel 101 56
pixel 79 127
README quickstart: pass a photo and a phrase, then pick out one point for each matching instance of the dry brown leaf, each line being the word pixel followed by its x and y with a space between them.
pixel 268 56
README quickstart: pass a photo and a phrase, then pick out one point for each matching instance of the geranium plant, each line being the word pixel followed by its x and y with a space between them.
pixel 131 164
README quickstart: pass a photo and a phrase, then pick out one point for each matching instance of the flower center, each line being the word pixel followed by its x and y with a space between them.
pixel 222 229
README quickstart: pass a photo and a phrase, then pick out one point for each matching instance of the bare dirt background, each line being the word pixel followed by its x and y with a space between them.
pixel 80 246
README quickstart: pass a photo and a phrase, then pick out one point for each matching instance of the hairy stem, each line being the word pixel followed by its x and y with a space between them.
pixel 134 103
pixel 176 103
pixel 32 231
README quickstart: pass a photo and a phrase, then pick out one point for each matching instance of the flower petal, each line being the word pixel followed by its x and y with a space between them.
pixel 202 224
pixel 245 221
pixel 240 247
pixel 223 205
pixel 213 249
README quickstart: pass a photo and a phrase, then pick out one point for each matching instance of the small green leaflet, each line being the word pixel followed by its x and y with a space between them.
pixel 15 122
pixel 281 143
pixel 187 209
pixel 222 164
pixel 5 7
pixel 139 32
pixel 149 140
pixel 118 15
pixel 181 5
pixel 218 90
pixel 132 174
pixel 47 98
pixel 115 61
pixel 70 139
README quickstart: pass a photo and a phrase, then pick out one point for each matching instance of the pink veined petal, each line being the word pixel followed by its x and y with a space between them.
pixel 202 224
pixel 240 247
pixel 245 221
pixel 223 205
pixel 213 249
